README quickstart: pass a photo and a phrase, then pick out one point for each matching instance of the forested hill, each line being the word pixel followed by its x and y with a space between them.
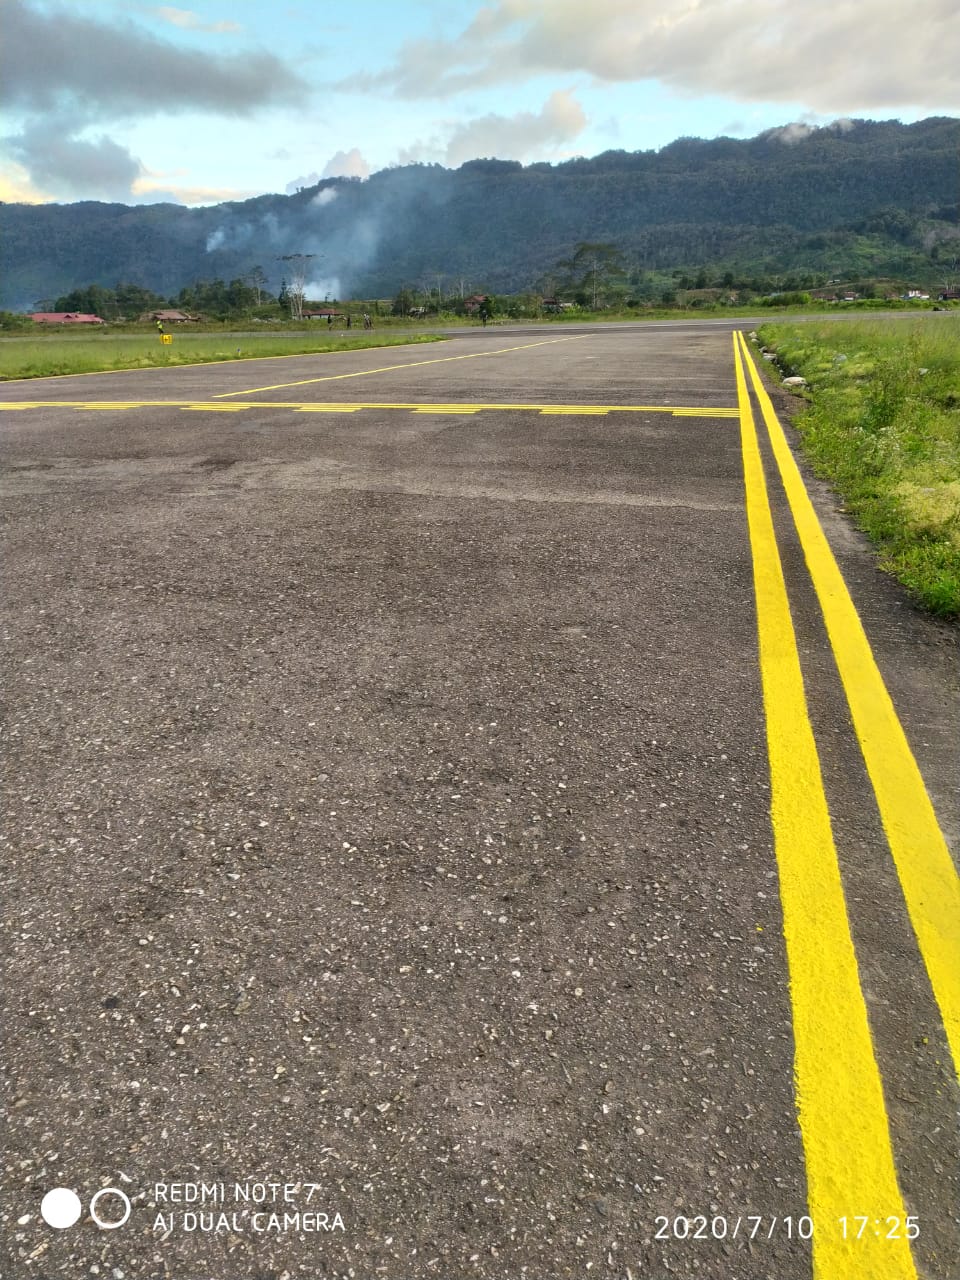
pixel 789 198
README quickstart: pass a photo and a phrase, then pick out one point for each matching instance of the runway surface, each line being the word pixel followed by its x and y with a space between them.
pixel 473 811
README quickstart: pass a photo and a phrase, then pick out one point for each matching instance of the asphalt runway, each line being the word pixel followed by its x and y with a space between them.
pixel 473 810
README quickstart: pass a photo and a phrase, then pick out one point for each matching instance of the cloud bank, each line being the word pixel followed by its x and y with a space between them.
pixel 56 60
pixel 62 72
pixel 835 56
pixel 518 136
pixel 525 135
pixel 74 167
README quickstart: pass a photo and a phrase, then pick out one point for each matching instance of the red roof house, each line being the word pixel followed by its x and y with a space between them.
pixel 64 317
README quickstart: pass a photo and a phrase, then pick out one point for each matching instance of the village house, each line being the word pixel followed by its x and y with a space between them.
pixel 172 317
pixel 64 317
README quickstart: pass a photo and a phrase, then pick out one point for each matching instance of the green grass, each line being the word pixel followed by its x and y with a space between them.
pixel 882 424
pixel 52 354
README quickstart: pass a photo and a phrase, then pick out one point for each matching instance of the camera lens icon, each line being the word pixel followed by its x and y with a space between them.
pixel 61 1208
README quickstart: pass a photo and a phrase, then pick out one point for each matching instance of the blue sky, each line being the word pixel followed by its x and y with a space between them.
pixel 200 102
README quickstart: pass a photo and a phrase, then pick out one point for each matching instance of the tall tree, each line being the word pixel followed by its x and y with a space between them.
pixel 594 268
pixel 298 264
pixel 257 279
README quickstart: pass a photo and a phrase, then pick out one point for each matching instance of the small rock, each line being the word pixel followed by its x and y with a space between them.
pixel 795 382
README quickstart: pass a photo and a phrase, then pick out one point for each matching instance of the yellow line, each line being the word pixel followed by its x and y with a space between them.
pixel 412 364
pixel 843 1121
pixel 706 413
pixel 353 406
pixel 928 877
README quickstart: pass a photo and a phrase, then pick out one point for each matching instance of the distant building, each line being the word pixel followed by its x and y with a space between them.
pixel 172 317
pixel 325 314
pixel 949 295
pixel 64 317
pixel 473 304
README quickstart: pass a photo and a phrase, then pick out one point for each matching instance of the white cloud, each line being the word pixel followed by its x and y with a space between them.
pixel 305 180
pixel 346 164
pixel 16 186
pixel 798 130
pixel 55 60
pixel 189 21
pixel 794 132
pixel 59 160
pixel 342 164
pixel 521 136
pixel 168 186
pixel 835 56
pixel 526 135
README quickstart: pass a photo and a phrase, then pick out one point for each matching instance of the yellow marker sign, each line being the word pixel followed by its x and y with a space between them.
pixel 166 339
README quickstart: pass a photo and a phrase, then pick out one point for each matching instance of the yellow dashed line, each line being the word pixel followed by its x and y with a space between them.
pixel 316 408
pixel 584 409
pixel 108 404
pixel 705 413
pixel 843 1120
pixel 678 411
pixel 213 408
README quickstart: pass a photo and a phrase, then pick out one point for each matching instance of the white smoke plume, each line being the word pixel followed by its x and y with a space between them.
pixel 320 290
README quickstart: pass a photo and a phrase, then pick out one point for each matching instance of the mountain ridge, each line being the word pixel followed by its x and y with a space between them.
pixel 789 195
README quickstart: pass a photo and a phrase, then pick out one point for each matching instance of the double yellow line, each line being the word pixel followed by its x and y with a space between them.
pixel 843 1120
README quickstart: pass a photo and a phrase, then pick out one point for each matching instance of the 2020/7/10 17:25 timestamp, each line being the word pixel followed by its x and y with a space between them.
pixel 862 1227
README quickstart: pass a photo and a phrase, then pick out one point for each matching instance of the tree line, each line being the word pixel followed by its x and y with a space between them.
pixel 870 196
pixel 215 299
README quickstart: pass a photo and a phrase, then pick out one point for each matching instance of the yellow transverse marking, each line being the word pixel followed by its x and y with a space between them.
pixel 214 408
pixel 319 406
pixel 843 1121
pixel 411 364
pixel 928 877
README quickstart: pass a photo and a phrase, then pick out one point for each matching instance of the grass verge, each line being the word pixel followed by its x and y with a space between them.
pixel 100 353
pixel 882 425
